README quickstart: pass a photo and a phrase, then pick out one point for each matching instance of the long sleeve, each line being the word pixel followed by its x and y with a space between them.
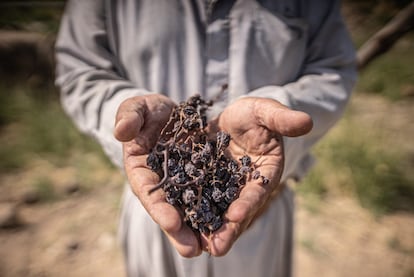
pixel 89 75
pixel 322 90
pixel 108 51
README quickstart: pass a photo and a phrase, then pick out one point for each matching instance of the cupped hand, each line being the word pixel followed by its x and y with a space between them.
pixel 256 126
pixel 139 122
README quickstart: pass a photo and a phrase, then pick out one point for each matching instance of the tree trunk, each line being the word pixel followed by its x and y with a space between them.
pixel 386 37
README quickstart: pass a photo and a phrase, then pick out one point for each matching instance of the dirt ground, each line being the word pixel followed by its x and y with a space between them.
pixel 75 234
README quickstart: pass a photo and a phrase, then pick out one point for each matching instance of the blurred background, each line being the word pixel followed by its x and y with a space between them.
pixel 59 195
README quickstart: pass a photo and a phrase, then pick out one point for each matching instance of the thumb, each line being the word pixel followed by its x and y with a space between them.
pixel 279 118
pixel 129 121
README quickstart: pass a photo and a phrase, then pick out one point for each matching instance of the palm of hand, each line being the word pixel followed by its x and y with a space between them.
pixel 139 123
pixel 256 126
pixel 251 137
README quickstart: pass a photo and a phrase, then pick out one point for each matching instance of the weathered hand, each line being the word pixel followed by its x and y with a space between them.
pixel 139 122
pixel 256 126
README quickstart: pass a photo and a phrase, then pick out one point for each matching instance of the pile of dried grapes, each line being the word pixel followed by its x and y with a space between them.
pixel 196 176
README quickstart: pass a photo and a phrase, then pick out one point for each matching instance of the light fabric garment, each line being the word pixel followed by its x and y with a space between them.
pixel 263 250
pixel 296 52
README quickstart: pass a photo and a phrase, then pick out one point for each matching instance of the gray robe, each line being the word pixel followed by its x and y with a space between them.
pixel 296 52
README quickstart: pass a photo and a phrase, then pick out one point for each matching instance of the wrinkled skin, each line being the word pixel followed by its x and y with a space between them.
pixel 256 126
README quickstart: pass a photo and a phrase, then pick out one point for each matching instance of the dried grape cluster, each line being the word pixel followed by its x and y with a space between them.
pixel 196 176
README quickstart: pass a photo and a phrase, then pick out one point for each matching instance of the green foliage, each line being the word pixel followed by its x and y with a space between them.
pixel 44 189
pixel 313 189
pixel 376 12
pixel 33 127
pixel 314 184
pixel 378 177
pixel 378 182
pixel 43 16
pixel 10 158
pixel 397 245
pixel 310 245
pixel 391 73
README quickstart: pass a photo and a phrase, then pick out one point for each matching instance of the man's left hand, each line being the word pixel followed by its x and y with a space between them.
pixel 257 127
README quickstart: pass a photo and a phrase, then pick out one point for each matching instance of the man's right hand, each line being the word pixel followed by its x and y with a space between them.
pixel 139 122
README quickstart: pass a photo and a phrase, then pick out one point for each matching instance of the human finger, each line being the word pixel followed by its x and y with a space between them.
pixel 254 195
pixel 129 119
pixel 279 118
pixel 165 215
